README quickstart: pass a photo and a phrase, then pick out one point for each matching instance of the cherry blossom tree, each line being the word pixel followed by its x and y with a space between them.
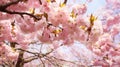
pixel 53 33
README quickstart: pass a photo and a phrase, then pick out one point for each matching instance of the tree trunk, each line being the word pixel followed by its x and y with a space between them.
pixel 20 61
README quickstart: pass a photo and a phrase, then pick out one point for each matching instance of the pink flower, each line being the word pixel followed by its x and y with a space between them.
pixel 101 63
pixel 113 20
pixel 33 4
pixel 45 37
pixel 45 7
pixel 19 7
pixel 104 39
pixel 8 53
pixel 98 52
pixel 5 30
pixel 60 15
pixel 113 2
pixel 79 9
pixel 27 25
pixel 12 56
pixel 115 29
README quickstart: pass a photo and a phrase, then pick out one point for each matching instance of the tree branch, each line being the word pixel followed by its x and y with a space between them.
pixel 21 14
pixel 37 55
pixel 40 2
pixel 42 62
pixel 30 59
pixel 65 1
pixel 20 59
pixel 27 51
pixel 2 7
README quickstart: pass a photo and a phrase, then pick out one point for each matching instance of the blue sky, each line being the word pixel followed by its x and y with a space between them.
pixel 92 7
pixel 96 4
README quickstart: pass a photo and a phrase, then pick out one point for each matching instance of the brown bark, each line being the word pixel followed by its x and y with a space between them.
pixel 20 61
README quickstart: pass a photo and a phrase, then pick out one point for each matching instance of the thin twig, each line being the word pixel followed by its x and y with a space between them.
pixel 42 62
pixel 37 55
pixel 30 59
pixel 51 62
pixel 27 51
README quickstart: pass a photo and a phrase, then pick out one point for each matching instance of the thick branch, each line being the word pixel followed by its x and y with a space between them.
pixel 20 13
pixel 20 59
pixel 40 2
pixel 12 44
pixel 65 1
pixel 2 7
pixel 53 1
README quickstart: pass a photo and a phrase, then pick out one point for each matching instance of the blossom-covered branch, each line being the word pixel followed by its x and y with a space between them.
pixel 58 33
pixel 3 8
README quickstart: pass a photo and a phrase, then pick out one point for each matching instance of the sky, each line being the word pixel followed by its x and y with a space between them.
pixel 92 7
pixel 96 4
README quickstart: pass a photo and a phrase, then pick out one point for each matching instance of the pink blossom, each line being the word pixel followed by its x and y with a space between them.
pixel 45 37
pixel 18 7
pixel 79 9
pixel 45 7
pixel 116 3
pixel 61 17
pixel 101 63
pixel 8 53
pixel 59 31
pixel 113 20
pixel 115 65
pixel 98 52
pixel 105 38
pixel 32 4
pixel 115 29
pixel 4 16
pixel 27 25
pixel 5 31
pixel 12 56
